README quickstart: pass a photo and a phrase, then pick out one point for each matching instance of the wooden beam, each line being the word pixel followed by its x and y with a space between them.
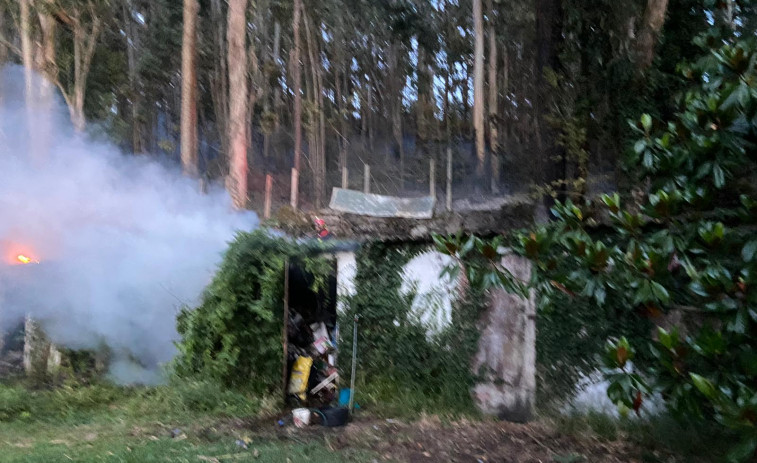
pixel 285 331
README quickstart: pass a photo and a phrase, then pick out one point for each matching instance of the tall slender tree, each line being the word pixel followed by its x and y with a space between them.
pixel 493 100
pixel 478 87
pixel 189 89
pixel 651 25
pixel 296 88
pixel 236 34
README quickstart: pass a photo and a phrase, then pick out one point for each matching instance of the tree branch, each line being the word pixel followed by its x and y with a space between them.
pixel 10 46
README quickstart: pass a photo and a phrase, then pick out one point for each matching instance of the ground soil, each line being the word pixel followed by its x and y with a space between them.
pixel 432 440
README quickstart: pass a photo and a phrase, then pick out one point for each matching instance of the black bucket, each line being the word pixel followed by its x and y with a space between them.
pixel 334 416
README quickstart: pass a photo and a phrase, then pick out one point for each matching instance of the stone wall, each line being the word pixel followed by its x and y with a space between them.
pixel 506 357
pixel 481 219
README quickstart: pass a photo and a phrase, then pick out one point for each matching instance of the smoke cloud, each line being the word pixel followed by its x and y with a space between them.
pixel 122 241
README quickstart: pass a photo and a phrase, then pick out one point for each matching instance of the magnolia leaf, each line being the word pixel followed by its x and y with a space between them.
pixel 660 292
pixel 718 176
pixel 704 385
pixel 750 249
pixel 646 122
pixel 665 338
pixel 640 146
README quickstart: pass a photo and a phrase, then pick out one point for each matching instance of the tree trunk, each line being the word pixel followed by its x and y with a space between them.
pixel 27 59
pixel 219 77
pixel 268 127
pixel 3 46
pixel 396 105
pixel 548 31
pixel 344 116
pixel 84 50
pixel 727 15
pixel 276 60
pixel 654 19
pixel 316 147
pixel 493 101
pixel 131 36
pixel 297 89
pixel 189 89
pixel 44 88
pixel 478 88
pixel 26 50
pixel 237 135
pixel 465 100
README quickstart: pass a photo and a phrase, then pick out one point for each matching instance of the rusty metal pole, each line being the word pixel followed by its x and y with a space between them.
pixel 354 365
pixel 285 331
pixel 268 189
pixel 293 194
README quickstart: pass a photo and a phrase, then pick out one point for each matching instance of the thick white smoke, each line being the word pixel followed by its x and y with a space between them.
pixel 122 241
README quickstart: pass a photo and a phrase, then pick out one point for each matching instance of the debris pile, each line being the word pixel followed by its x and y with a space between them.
pixel 312 359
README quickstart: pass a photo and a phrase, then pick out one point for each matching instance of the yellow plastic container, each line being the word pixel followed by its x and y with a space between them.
pixel 298 381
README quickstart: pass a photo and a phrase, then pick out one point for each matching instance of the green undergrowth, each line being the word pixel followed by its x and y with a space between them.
pixel 404 367
pixel 385 398
pixel 79 405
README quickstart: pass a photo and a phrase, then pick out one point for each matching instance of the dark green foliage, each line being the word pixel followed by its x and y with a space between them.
pixel 234 336
pixel 680 253
pixel 399 363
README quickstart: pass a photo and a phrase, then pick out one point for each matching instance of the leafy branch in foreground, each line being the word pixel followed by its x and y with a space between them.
pixel 681 254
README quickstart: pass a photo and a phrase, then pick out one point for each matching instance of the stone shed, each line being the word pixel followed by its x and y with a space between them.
pixel 505 361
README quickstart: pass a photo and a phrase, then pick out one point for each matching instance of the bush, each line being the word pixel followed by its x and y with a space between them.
pixel 685 245
pixel 234 336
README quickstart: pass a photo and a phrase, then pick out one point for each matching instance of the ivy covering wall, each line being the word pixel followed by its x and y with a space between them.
pixel 400 364
pixel 235 335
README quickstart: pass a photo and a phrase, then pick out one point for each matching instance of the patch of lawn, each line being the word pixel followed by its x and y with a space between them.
pixel 106 423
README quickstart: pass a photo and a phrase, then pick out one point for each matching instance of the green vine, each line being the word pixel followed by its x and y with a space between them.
pixel 400 363
pixel 234 336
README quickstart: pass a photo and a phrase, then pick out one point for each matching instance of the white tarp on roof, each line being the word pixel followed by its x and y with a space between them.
pixel 356 202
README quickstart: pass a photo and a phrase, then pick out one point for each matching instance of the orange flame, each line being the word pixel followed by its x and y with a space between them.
pixel 24 259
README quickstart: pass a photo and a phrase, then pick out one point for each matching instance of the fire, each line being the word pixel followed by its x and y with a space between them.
pixel 25 259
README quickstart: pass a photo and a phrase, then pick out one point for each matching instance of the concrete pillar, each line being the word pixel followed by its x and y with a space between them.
pixel 41 358
pixel 506 355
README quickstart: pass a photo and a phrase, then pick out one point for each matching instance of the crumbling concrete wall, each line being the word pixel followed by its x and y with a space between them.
pixel 506 357
pixel 346 270
pixel 491 218
pixel 41 358
pixel 433 295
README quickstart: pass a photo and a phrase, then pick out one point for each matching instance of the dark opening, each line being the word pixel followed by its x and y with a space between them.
pixel 308 309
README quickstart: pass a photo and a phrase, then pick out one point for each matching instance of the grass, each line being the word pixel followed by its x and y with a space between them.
pixel 390 399
pixel 106 423
pixel 166 449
